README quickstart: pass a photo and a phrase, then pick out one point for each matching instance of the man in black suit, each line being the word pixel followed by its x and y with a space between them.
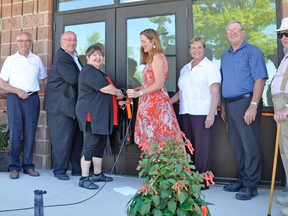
pixel 59 103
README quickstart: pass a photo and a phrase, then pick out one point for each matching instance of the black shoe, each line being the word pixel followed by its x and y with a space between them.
pixel 63 177
pixel 76 173
pixel 101 178
pixel 234 187
pixel 247 193
pixel 86 182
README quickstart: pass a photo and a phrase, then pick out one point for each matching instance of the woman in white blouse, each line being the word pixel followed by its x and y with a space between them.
pixel 199 90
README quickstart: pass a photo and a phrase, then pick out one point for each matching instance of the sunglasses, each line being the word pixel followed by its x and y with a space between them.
pixel 280 35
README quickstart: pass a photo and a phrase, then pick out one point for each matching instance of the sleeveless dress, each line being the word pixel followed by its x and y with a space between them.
pixel 156 120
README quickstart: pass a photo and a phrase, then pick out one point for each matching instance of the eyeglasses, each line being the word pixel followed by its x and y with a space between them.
pixel 230 31
pixel 69 40
pixel 24 41
pixel 280 35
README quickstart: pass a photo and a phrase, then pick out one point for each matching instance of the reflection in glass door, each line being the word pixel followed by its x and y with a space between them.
pixel 87 34
pixel 165 26
pixel 90 27
pixel 163 18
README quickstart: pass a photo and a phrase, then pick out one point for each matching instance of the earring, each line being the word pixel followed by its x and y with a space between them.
pixel 154 46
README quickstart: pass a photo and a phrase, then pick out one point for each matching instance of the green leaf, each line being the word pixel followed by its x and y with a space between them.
pixel 178 168
pixel 163 203
pixel 180 212
pixel 157 212
pixel 164 185
pixel 170 181
pixel 187 205
pixel 197 209
pixel 165 170
pixel 154 170
pixel 172 206
pixel 139 203
pixel 165 193
pixel 145 209
pixel 156 199
pixel 182 196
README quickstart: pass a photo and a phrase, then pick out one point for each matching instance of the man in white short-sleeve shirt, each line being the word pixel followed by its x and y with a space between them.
pixel 20 77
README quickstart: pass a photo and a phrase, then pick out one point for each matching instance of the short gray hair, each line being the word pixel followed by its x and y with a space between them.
pixel 24 33
pixel 196 39
pixel 236 21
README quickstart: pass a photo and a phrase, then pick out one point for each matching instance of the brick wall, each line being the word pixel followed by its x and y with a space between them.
pixel 35 17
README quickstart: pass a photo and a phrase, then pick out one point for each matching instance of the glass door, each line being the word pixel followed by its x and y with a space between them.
pixel 118 28
pixel 90 27
pixel 170 20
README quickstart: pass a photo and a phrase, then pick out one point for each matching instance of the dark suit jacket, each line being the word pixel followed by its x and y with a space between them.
pixel 61 89
pixel 91 99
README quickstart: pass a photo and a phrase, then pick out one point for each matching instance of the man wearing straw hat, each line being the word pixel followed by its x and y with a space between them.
pixel 279 91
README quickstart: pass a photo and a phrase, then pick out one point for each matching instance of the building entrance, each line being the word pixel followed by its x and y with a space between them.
pixel 118 28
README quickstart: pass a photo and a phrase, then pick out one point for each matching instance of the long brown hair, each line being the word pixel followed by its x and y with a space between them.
pixel 152 35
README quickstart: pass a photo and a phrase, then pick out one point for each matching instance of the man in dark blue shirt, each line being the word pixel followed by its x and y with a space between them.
pixel 244 75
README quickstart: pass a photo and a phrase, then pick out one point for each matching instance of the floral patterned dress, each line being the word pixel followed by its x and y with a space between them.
pixel 156 120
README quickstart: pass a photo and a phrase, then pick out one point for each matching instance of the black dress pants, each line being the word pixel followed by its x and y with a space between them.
pixel 66 143
pixel 22 119
pixel 245 141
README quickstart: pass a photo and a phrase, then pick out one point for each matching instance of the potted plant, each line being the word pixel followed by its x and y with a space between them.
pixel 4 136
pixel 171 186
pixel 4 146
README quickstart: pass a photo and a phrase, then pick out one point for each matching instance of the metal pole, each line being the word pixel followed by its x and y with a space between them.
pixel 38 202
pixel 274 168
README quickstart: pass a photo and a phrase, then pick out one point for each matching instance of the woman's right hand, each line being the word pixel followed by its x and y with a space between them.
pixel 131 93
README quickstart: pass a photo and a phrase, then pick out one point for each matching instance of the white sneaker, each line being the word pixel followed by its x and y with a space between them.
pixel 284 212
pixel 283 201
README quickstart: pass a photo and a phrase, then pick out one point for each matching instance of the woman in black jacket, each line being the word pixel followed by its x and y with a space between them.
pixel 96 111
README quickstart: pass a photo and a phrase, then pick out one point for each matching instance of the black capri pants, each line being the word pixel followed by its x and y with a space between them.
pixel 94 144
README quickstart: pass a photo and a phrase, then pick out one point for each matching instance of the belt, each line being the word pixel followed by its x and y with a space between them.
pixel 32 93
pixel 233 99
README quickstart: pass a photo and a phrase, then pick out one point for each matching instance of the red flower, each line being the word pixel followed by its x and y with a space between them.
pixel 204 210
pixel 178 186
pixel 208 177
pixel 144 189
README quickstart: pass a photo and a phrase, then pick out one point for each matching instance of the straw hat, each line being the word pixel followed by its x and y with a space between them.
pixel 284 25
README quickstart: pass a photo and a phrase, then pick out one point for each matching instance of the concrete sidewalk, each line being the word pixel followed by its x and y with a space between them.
pixel 66 198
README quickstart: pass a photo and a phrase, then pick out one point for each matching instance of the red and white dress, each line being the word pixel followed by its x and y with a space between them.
pixel 156 120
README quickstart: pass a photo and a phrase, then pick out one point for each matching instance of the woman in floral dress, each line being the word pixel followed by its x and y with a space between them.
pixel 156 120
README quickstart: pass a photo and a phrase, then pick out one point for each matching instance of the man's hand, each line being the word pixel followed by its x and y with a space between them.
pixel 281 115
pixel 22 94
pixel 223 113
pixel 250 114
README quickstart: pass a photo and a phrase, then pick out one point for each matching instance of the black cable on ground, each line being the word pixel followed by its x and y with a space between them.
pixel 79 202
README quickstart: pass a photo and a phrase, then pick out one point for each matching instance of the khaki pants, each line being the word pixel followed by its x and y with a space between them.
pixel 279 101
